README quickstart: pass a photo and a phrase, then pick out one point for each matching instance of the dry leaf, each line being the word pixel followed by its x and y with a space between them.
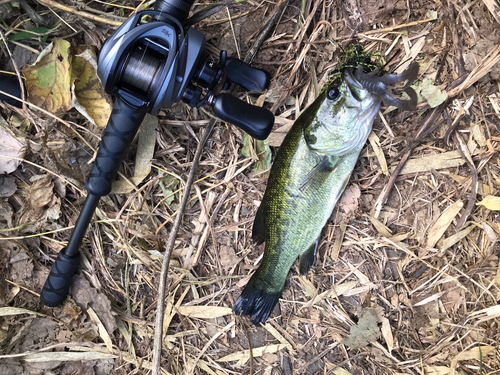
pixel 490 202
pixel 102 331
pixel 428 163
pixel 349 202
pixel 10 147
pixel 89 97
pixel 452 240
pixel 85 296
pixel 7 185
pixel 379 153
pixel 6 311
pixel 437 230
pixel 381 228
pixel 42 207
pixel 365 332
pixel 67 356
pixel 48 81
pixel 387 334
pixel 476 353
pixel 437 370
pixel 340 371
pixel 204 312
pixel 244 355
pixel 273 331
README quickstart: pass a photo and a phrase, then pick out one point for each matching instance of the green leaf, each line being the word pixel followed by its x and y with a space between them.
pixel 48 81
pixel 432 94
pixel 168 185
pixel 29 34
pixel 258 151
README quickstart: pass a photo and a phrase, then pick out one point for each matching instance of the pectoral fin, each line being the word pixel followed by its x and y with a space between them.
pixel 319 173
pixel 307 258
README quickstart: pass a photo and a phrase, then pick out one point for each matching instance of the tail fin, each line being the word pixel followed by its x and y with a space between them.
pixel 256 302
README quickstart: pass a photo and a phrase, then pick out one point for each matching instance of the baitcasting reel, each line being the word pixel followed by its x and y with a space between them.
pixel 161 64
pixel 149 66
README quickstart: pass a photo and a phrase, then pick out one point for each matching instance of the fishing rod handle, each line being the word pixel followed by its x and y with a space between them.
pixel 56 286
pixel 126 117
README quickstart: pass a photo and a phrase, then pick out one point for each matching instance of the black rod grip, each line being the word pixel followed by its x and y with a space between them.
pixel 256 121
pixel 56 286
pixel 120 131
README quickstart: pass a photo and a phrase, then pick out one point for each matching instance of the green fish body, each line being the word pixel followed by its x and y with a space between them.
pixel 310 172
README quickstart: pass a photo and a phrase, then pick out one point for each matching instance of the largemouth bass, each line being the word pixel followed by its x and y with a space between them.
pixel 310 172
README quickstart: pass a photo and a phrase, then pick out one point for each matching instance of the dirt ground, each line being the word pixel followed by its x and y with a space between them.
pixel 408 253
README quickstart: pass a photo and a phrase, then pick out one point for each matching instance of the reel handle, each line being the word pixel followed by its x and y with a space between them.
pixel 251 79
pixel 256 121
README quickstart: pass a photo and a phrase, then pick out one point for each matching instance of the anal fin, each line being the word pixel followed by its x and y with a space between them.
pixel 308 257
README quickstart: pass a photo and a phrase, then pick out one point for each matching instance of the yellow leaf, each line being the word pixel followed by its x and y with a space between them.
pixel 490 202
pixel 89 99
pixel 48 81
pixel 204 312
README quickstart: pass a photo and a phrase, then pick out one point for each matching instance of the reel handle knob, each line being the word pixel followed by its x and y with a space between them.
pixel 256 121
pixel 251 79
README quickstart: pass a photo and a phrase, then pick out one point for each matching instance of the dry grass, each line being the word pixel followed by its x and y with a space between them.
pixel 411 244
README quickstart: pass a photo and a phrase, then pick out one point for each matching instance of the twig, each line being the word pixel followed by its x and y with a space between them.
pixel 157 345
pixel 55 4
pixel 250 349
pixel 397 27
pixel 464 151
pixel 270 23
pixel 457 42
pixel 207 12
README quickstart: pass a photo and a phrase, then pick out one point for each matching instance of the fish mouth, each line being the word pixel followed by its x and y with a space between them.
pixel 367 104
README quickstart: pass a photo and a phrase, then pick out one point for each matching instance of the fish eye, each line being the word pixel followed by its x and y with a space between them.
pixel 333 93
